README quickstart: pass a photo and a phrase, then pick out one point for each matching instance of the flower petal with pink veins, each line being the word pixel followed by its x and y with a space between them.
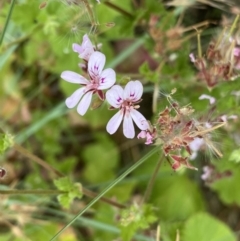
pixel 114 122
pixel 128 128
pixel 107 79
pixel 96 64
pixel 133 90
pixel 114 96
pixel 73 77
pixel 139 119
pixel 75 98
pixel 85 103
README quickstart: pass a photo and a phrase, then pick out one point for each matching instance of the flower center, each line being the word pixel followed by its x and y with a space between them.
pixel 127 106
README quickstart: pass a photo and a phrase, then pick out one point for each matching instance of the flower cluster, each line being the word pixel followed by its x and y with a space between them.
pixel 179 135
pixel 99 79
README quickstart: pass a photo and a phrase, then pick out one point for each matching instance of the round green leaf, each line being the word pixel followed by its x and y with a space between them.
pixel 203 227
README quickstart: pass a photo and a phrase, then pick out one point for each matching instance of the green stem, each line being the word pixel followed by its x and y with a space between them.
pixel 199 45
pixel 38 192
pixel 7 21
pixel 152 180
pixel 114 183
pixel 233 25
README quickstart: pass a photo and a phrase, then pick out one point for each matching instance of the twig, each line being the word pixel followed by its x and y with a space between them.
pixel 118 9
pixel 38 192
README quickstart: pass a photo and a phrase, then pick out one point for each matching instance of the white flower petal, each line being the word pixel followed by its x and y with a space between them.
pixel 107 79
pixel 114 122
pixel 133 91
pixel 211 99
pixel 85 103
pixel 73 77
pixel 139 119
pixel 96 64
pixel 114 96
pixel 74 98
pixel 128 128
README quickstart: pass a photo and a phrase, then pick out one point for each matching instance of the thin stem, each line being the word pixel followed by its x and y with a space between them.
pixel 36 159
pixel 152 180
pixel 114 183
pixel 38 192
pixel 45 165
pixel 158 233
pixel 233 25
pixel 156 87
pixel 7 21
pixel 118 9
pixel 199 45
pixel 90 12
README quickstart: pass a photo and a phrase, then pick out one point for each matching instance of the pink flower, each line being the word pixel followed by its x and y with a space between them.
pixel 85 50
pixel 149 134
pixel 99 80
pixel 192 58
pixel 146 134
pixel 125 100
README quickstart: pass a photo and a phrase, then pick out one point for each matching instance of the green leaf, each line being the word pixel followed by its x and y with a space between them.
pixel 101 159
pixel 74 191
pixel 6 141
pixel 148 74
pixel 63 184
pixel 203 227
pixel 134 218
pixel 64 200
pixel 235 156
pixel 182 196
